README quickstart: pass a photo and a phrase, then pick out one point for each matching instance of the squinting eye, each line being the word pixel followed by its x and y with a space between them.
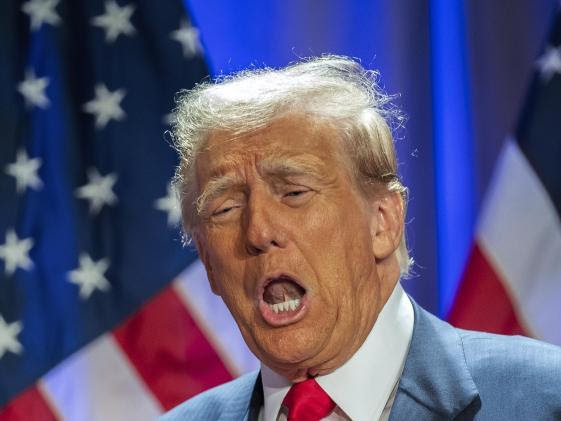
pixel 295 193
pixel 296 198
pixel 223 211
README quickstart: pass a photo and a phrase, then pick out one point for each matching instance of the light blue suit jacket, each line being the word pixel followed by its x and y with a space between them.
pixel 449 374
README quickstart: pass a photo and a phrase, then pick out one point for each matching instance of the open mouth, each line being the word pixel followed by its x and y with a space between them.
pixel 282 300
pixel 283 294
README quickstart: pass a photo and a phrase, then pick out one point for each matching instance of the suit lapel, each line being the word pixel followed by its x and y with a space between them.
pixel 256 401
pixel 239 398
pixel 436 383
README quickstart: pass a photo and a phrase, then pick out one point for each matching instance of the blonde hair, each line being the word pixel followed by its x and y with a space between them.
pixel 333 88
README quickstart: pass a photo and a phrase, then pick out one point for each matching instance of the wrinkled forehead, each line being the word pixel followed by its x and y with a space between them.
pixel 294 141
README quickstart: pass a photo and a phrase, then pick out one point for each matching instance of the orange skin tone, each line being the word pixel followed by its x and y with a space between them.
pixel 316 224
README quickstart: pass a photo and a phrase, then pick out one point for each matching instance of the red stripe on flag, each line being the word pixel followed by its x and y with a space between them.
pixel 28 405
pixel 169 350
pixel 482 302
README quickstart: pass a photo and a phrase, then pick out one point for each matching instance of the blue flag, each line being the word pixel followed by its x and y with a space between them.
pixel 88 223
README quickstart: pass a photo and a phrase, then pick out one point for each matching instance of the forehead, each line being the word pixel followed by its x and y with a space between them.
pixel 299 139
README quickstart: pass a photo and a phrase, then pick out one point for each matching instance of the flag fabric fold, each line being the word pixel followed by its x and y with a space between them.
pixel 512 282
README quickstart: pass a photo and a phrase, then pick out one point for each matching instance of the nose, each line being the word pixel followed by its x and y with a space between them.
pixel 263 230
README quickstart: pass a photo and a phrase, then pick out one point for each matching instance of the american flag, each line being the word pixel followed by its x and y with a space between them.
pixel 95 321
pixel 512 283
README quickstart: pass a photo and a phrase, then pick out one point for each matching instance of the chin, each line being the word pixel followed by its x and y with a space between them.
pixel 288 354
pixel 297 371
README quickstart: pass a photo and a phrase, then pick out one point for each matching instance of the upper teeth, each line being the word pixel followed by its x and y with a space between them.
pixel 285 306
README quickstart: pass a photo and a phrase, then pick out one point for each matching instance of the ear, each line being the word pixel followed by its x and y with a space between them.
pixel 203 255
pixel 386 224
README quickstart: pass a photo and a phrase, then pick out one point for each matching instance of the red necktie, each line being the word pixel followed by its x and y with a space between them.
pixel 307 401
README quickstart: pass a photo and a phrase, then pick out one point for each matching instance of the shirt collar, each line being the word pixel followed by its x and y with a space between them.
pixel 362 386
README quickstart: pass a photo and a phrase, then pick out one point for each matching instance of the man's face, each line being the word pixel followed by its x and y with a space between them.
pixel 288 242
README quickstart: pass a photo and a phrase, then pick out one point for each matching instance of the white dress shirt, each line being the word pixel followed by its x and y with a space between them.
pixel 364 387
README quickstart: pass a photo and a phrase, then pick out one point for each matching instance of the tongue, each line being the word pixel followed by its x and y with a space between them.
pixel 282 290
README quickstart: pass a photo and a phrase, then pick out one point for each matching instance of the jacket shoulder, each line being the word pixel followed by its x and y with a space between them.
pixel 513 355
pixel 523 371
pixel 227 401
pixel 468 375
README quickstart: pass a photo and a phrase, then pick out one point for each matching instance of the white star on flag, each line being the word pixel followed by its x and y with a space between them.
pixel 115 21
pixel 98 190
pixel 33 90
pixel 170 204
pixel 41 11
pixel 106 105
pixel 550 62
pixel 9 337
pixel 24 170
pixel 188 37
pixel 15 252
pixel 90 276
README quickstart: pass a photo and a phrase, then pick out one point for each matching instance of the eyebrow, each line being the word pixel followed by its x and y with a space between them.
pixel 214 188
pixel 282 167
